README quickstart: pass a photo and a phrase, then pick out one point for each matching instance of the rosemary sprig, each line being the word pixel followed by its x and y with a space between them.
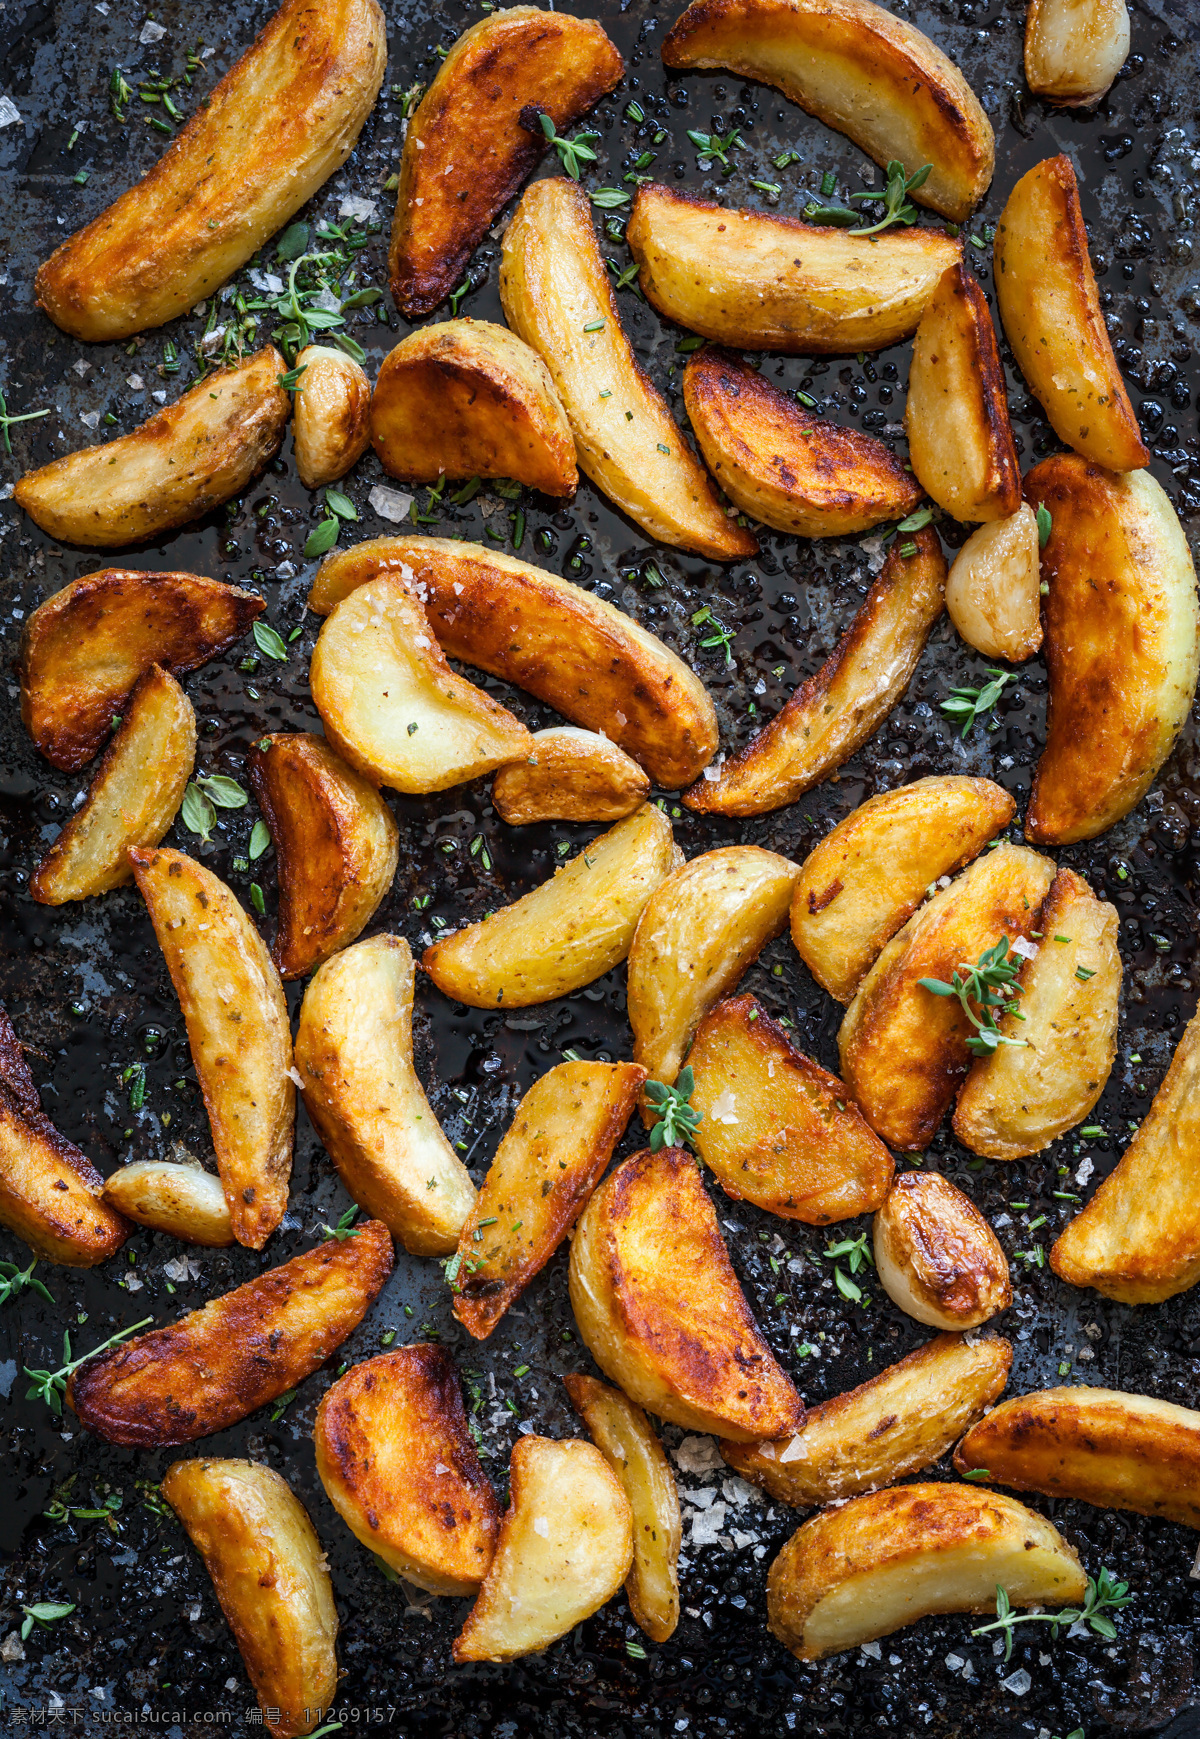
pixel 676 1122
pixel 1103 1596
pixel 970 704
pixel 14 1280
pixel 51 1386
pixel 990 983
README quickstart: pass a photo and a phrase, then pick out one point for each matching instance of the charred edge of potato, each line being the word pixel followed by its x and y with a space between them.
pixel 183 1200
pixel 993 594
pixel 330 415
pixel 1073 50
pixel 937 1257
pixel 572 775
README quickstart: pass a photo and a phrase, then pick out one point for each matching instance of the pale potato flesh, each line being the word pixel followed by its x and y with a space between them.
pixel 1074 49
pixel 937 1258
pixel 183 1200
pixel 330 411
pixel 993 593
pixel 571 775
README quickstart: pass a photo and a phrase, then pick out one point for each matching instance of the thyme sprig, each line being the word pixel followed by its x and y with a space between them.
pixel 718 146
pixel 1103 1596
pixel 675 1120
pixel 897 207
pixel 970 704
pixel 14 1280
pixel 345 1227
pixel 51 1386
pixel 990 984
pixel 6 421
pixel 573 153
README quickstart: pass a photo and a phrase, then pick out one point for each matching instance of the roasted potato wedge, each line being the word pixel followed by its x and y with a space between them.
pixel 238 1030
pixel 884 1560
pixel 476 136
pixel 354 1055
pixel 623 1436
pixel 566 933
pixel 594 664
pixel 993 593
pixel 336 841
pixel 398 1464
pixel 548 1162
pixel 860 69
pixel 330 416
pixel 903 1049
pixel 1021 1098
pixel 572 775
pixel 283 118
pixel 786 466
pixel 1122 648
pixel 565 1547
pixel 1051 312
pixel 1074 49
pixel 937 1258
pixel 498 414
pixel 660 1309
pixel 243 1349
pixel 84 650
pixel 184 1200
pixel 866 878
pixel 133 799
pixel 755 282
pixel 897 1423
pixel 834 712
pixel 271 1578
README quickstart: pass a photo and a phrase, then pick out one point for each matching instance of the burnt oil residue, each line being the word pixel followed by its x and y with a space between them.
pixel 88 991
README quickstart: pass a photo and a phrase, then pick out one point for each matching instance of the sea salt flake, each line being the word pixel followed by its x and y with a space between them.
pixel 541 1527
pixel 389 503
pixel 355 207
pixel 81 367
pixel 706 1527
pixel 1027 950
pixel 724 1108
pixel 9 115
pixel 89 418
pixel 1084 1171
pixel 697 1455
pixel 135 382
pixel 1018 1683
pixel 296 1077
pixel 152 32
pixel 871 1650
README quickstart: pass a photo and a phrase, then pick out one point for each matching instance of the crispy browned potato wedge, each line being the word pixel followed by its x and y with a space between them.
pixel 398 1463
pixel 336 841
pixel 238 1030
pixel 498 414
pixel 834 712
pixel 993 593
pixel 903 1049
pixel 572 775
pixel 548 1163
pixel 884 1560
pixel 133 799
pixel 860 69
pixel 784 465
pixel 354 1055
pixel 243 1349
pixel 1023 1097
pixel 1074 49
pixel 937 1257
pixel 622 1433
pixel 271 1578
pixel 755 282
pixel 897 1423
pixel 1051 312
pixel 594 664
pixel 283 118
pixel 1122 648
pixel 184 1200
pixel 660 1309
pixel 1117 1451
pixel 330 415
pixel 476 136
pixel 84 650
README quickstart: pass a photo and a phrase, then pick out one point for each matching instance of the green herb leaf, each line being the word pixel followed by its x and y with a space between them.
pixel 969 704
pixel 340 504
pixel 977 1474
pixel 290 381
pixel 265 637
pixel 293 242
pixel 1045 524
pixel 51 1386
pixel 345 1227
pixel 225 793
pixel 322 539
pixel 608 198
pixel 14 1280
pixel 197 812
pixel 990 984
pixel 260 839
pixel 675 1120
pixel 257 900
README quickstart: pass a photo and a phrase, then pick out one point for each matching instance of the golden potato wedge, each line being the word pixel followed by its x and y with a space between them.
pixel 1074 49
pixel 558 297
pixel 1122 644
pixel 786 466
pixel 1051 311
pixel 133 799
pixel 271 1578
pixel 238 1030
pixel 903 1049
pixel 336 841
pixel 834 712
pixel 243 1349
pixel 993 593
pixel 498 414
pixel 860 69
pixel 896 1423
pixel 572 775
pixel 884 1560
pixel 549 1161
pixel 623 1436
pixel 1021 1098
pixel 330 415
pixel 398 1463
pixel 565 1547
pixel 755 282
pixel 866 878
pixel 84 650
pixel 1117 1451
pixel 354 1055
pixel 594 664
pixel 566 933
pixel 660 1309
pixel 184 1200
pixel 476 136
pixel 937 1257
pixel 283 118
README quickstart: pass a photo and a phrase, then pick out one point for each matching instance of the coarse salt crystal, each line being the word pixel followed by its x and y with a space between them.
pixel 89 418
pixel 81 367
pixel 9 112
pixel 1084 1171
pixel 389 503
pixel 135 382
pixel 152 32
pixel 355 207
pixel 541 1527
pixel 724 1108
pixel 1027 950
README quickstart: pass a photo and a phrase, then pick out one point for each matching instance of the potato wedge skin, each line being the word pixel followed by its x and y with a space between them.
pixel 937 1257
pixel 1051 311
pixel 330 415
pixel 860 69
pixel 180 1199
pixel 283 118
pixel 1122 644
pixel 993 594
pixel 1074 49
pixel 271 1578
pixel 866 878
pixel 572 775
pixel 133 799
pixel 398 1464
pixel 84 650
pixel 786 466
pixel 781 284
pixel 498 414
pixel 243 1349
pixel 467 152
pixel 835 711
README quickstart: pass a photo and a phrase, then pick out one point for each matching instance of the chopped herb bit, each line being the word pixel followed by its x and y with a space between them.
pixel 1045 524
pixel 257 900
pixel 290 381
pixel 595 326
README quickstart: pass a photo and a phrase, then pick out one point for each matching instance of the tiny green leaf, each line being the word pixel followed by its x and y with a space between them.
pixel 265 637
pixel 225 793
pixel 340 504
pixel 260 839
pixel 1045 524
pixel 197 812
pixel 322 539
